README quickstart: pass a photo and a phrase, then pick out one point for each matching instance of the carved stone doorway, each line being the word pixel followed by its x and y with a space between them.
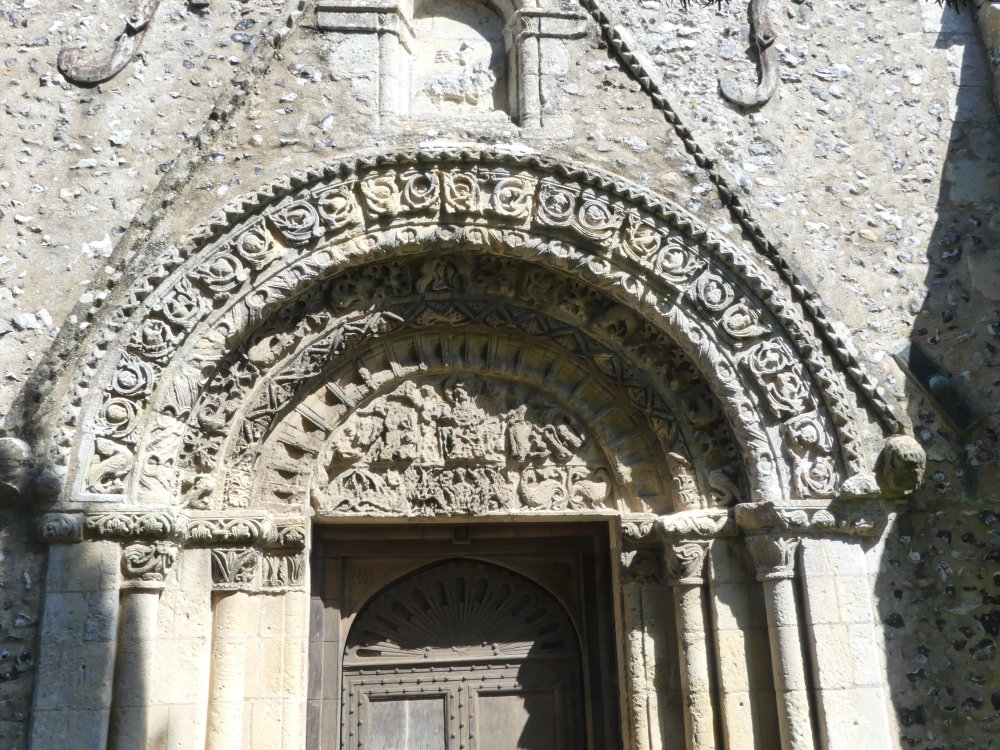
pixel 469 637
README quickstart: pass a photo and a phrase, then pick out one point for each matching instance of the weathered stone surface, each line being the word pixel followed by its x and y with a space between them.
pixel 872 165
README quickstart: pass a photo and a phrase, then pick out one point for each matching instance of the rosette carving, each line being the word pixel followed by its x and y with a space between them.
pixel 421 191
pixel 338 206
pixel 256 246
pixel 513 197
pixel 676 262
pixel 714 293
pixel 221 273
pixel 742 322
pixel 787 392
pixel 297 222
pixel 381 193
pixel 641 238
pixel 556 204
pixel 597 219
pixel 461 192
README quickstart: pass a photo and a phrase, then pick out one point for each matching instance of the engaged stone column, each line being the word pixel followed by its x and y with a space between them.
pixel 686 570
pixel 390 65
pixel 233 618
pixel 74 676
pixel 774 558
pixel 144 570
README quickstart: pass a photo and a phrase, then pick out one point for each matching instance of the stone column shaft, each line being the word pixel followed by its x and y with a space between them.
pixel 389 74
pixel 144 570
pixel 231 616
pixel 774 558
pixel 686 565
pixel 528 83
pixel 134 669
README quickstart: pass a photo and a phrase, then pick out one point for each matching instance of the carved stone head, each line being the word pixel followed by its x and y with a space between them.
pixel 900 466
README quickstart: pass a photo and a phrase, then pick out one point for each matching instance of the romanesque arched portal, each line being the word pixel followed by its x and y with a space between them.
pixel 461 335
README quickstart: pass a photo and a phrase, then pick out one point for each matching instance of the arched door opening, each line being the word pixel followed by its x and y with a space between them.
pixel 480 636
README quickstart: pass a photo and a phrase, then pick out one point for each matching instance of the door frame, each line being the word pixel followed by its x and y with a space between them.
pixel 351 563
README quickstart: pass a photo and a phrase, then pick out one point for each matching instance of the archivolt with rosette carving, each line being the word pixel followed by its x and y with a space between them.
pixel 199 371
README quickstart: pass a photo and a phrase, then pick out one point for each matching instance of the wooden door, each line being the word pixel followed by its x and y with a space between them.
pixel 462 655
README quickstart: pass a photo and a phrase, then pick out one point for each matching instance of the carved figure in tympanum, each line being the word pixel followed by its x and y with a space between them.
pixel 461 444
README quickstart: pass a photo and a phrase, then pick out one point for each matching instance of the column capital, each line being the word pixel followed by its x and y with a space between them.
pixel 145 565
pixel 773 555
pixel 686 563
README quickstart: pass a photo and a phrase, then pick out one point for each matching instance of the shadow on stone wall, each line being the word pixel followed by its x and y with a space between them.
pixel 22 564
pixel 938 588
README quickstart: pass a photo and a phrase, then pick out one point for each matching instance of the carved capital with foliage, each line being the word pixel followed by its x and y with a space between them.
pixel 236 568
pixel 147 565
pixel 686 563
pixel 773 555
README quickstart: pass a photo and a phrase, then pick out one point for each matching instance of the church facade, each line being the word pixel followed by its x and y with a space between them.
pixel 454 388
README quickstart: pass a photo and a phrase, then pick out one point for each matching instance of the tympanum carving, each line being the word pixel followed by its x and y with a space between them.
pixel 460 445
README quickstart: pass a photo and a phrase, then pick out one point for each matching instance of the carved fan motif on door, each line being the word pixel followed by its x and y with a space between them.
pixel 463 655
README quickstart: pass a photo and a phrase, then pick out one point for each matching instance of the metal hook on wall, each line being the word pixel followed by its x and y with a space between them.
pixel 762 39
pixel 126 45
